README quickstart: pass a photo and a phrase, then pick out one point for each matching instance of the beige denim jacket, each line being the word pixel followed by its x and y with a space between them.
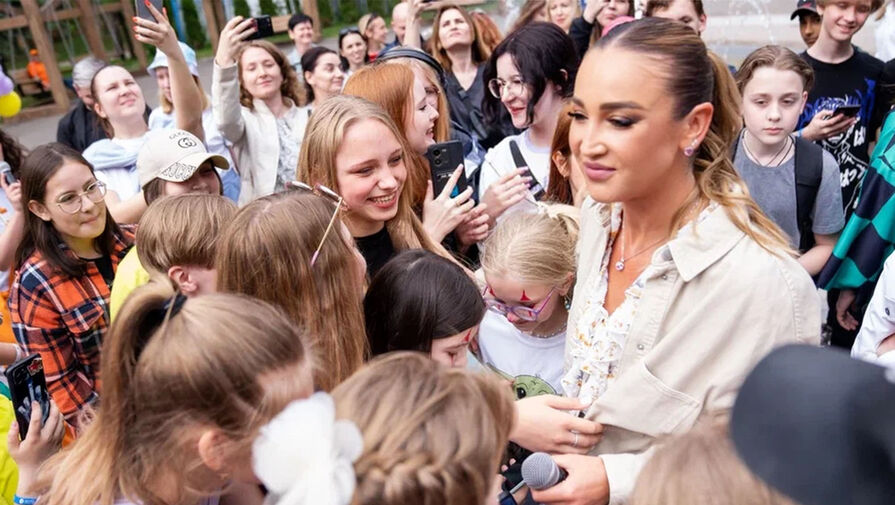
pixel 699 329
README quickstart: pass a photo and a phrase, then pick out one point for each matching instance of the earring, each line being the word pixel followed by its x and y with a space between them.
pixel 689 150
pixel 567 302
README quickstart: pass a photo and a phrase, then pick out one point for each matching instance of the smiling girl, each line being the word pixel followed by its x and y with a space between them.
pixel 774 83
pixel 257 101
pixel 529 75
pixel 66 264
pixel 354 147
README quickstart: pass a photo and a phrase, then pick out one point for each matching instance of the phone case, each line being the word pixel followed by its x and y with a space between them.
pixel 444 158
pixel 27 384
pixel 143 11
pixel 264 27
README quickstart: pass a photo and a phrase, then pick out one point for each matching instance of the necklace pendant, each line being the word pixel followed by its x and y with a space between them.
pixel 620 265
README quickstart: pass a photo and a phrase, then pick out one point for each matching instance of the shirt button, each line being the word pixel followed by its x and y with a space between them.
pixel 639 347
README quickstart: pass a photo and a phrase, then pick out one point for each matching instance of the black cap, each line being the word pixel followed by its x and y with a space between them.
pixel 804 6
pixel 819 426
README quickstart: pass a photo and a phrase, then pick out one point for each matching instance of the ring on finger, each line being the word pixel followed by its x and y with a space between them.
pixel 575 442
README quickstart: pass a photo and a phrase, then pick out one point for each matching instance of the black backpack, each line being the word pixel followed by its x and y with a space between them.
pixel 809 168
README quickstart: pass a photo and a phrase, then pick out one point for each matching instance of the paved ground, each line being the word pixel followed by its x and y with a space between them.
pixel 735 28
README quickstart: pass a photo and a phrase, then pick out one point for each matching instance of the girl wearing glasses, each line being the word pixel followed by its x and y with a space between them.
pixel 67 261
pixel 420 301
pixel 529 265
pixel 529 75
pixel 308 267
pixel 354 147
pixel 352 51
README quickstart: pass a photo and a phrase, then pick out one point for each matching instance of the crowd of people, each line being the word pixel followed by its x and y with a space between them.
pixel 273 292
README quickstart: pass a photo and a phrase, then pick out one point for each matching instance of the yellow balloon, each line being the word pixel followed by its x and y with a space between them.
pixel 10 104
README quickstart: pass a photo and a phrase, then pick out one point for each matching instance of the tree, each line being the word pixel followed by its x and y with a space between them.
pixel 241 8
pixel 195 34
pixel 269 7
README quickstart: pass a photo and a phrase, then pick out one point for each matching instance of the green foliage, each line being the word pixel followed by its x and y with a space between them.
pixel 241 8
pixel 325 12
pixel 195 34
pixel 269 7
pixel 349 11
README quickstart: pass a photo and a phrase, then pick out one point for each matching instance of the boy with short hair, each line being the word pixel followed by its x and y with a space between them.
pixel 301 31
pixel 809 21
pixel 845 76
pixel 689 12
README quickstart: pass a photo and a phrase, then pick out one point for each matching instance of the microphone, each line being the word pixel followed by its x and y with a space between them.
pixel 540 471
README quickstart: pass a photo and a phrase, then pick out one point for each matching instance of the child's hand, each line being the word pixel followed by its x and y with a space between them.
pixel 825 125
pixel 40 443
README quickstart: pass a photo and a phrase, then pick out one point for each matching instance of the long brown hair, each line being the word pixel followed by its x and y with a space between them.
pixel 443 123
pixel 480 52
pixel 488 30
pixel 559 187
pixel 391 87
pixel 266 252
pixel 695 76
pixel 527 14
pixel 290 88
pixel 317 163
pixel 432 435
pixel 224 361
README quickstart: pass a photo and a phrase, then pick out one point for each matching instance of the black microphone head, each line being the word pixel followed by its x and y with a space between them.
pixel 539 471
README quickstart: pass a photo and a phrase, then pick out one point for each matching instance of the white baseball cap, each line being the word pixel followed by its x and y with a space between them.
pixel 173 155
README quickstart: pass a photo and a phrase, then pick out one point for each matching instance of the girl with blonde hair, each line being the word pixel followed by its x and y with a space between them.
pixel 682 284
pixel 354 147
pixel 563 12
pixel 308 267
pixel 177 427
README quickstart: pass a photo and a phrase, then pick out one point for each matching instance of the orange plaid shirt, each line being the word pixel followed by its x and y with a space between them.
pixel 64 319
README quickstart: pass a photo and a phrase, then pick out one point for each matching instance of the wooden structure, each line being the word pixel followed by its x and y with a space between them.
pixel 34 18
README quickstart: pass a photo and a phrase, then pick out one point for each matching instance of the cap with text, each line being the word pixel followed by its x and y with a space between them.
pixel 173 155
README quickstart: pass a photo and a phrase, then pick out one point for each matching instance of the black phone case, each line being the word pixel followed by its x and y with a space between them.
pixel 143 11
pixel 444 158
pixel 847 110
pixel 27 384
pixel 264 26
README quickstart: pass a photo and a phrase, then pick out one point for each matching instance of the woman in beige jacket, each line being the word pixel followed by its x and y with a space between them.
pixel 256 100
pixel 683 284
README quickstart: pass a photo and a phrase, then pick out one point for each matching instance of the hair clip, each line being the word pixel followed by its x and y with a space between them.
pixel 155 319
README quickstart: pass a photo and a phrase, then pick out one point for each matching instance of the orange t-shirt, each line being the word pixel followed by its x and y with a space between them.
pixel 37 70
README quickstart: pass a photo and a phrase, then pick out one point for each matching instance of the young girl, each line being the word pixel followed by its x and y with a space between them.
pixel 597 16
pixel 529 74
pixel 66 263
pixel 529 266
pixel 308 267
pixel 257 102
pixel 177 427
pixel 563 12
pixel 420 301
pixel 354 147
pixel 352 51
pixel 567 184
pixel 323 75
pixel 795 182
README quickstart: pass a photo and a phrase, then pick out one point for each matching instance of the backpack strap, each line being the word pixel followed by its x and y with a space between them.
pixel 809 169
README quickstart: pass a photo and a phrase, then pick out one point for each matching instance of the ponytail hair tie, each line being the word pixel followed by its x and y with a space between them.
pixel 156 318
pixel 305 457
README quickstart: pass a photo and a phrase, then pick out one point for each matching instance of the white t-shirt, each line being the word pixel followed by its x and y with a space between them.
pixel 499 161
pixel 535 363
pixel 879 320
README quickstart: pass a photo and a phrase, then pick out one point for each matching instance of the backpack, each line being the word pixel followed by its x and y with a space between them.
pixel 808 160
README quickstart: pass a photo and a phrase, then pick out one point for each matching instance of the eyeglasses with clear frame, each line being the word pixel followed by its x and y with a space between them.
pixel 498 86
pixel 72 203
pixel 322 191
pixel 522 312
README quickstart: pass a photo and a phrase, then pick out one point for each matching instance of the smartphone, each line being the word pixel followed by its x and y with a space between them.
pixel 27 384
pixel 536 189
pixel 143 11
pixel 847 110
pixel 264 28
pixel 7 175
pixel 444 158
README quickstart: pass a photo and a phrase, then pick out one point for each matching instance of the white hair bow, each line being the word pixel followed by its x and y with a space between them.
pixel 304 456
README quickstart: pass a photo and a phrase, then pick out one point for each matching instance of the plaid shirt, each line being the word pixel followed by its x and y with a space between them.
pixel 64 319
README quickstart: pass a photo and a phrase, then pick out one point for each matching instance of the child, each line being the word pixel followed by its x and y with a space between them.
pixel 795 182
pixel 420 301
pixel 809 21
pixel 844 76
pixel 529 264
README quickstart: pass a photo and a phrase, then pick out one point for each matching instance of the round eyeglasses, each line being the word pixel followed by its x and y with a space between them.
pixel 72 203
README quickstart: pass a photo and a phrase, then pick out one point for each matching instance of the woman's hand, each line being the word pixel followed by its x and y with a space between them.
pixel 232 40
pixel 825 125
pixel 586 484
pixel 506 192
pixel 544 424
pixel 13 193
pixel 159 33
pixel 441 215
pixel 474 228
pixel 592 10
pixel 843 303
pixel 40 443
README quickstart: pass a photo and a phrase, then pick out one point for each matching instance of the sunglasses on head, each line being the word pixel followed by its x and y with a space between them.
pixel 322 191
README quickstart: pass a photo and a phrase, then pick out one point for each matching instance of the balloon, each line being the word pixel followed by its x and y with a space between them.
pixel 10 104
pixel 6 84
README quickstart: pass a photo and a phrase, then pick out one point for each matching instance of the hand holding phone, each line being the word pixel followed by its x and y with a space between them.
pixel 27 386
pixel 263 28
pixel 443 159
pixel 143 10
pixel 847 110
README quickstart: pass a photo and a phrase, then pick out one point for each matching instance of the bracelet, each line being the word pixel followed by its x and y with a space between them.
pixel 23 500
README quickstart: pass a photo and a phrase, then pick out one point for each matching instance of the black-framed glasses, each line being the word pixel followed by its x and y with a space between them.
pixel 520 311
pixel 498 86
pixel 72 203
pixel 323 191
